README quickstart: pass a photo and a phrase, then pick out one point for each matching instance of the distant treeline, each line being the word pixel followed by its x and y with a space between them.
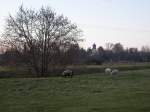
pixel 75 55
pixel 115 53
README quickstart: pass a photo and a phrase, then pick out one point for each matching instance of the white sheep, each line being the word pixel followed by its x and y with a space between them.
pixel 115 72
pixel 108 71
pixel 67 73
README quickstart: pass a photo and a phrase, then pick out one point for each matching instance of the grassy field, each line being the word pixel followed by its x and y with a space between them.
pixel 23 72
pixel 127 92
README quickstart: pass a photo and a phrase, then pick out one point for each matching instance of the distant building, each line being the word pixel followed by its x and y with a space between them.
pixel 94 46
pixel 94 50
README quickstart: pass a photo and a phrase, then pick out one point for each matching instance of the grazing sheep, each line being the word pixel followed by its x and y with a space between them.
pixel 67 73
pixel 115 72
pixel 108 71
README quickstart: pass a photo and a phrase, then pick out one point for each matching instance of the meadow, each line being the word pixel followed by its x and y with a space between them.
pixel 23 72
pixel 129 91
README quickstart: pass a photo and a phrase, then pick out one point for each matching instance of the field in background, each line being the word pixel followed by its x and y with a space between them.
pixel 90 69
pixel 127 92
pixel 22 72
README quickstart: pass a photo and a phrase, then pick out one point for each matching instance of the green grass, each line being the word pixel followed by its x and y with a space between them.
pixel 90 69
pixel 127 92
pixel 22 71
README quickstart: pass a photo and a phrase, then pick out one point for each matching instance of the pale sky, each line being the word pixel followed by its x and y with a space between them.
pixel 102 21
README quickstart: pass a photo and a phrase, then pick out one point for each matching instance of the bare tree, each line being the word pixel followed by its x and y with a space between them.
pixel 109 46
pixel 42 35
pixel 145 49
pixel 118 48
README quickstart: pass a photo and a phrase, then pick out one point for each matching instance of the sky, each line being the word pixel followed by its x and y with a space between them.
pixel 102 21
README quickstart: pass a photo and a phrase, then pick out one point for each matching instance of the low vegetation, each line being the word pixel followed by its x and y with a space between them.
pixel 127 92
pixel 24 72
